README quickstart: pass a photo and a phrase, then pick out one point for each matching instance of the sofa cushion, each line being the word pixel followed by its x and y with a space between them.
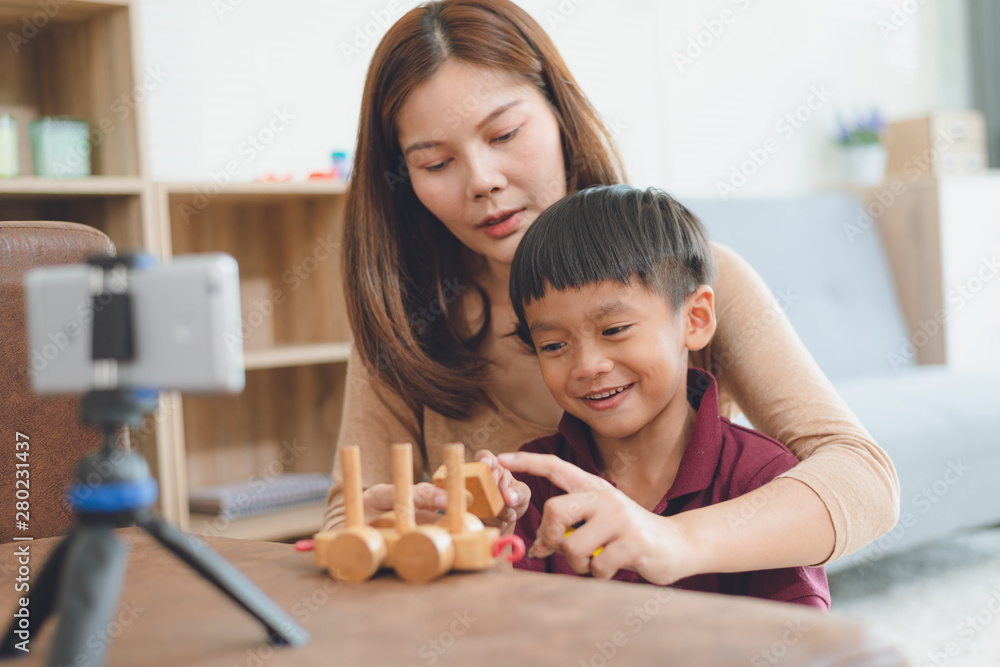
pixel 942 431
pixel 827 268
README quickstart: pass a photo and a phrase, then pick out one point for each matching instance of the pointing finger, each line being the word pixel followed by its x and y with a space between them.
pixel 563 474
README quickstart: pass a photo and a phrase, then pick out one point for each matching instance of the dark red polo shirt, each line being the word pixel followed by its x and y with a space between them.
pixel 721 461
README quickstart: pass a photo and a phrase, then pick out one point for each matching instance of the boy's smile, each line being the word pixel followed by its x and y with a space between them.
pixel 614 356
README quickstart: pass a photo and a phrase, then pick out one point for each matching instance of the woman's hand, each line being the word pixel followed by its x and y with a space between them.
pixel 629 536
pixel 516 495
pixel 427 500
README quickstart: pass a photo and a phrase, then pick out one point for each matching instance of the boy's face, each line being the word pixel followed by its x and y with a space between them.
pixel 613 355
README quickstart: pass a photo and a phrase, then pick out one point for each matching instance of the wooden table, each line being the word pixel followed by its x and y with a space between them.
pixel 170 616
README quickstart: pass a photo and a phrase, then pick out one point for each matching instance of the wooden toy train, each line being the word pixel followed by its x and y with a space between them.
pixel 418 553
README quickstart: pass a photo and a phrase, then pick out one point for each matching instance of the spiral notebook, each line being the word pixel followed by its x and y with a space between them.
pixel 260 495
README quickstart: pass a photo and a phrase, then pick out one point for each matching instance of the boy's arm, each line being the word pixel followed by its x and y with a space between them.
pixel 801 585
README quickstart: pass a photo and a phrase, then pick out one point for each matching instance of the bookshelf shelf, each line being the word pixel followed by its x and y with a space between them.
pixel 273 526
pixel 95 186
pixel 264 190
pixel 297 355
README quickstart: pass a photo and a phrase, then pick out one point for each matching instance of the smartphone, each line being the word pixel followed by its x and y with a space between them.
pixel 186 327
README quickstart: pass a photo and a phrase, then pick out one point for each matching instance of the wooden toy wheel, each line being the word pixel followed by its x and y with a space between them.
pixel 424 554
pixel 356 554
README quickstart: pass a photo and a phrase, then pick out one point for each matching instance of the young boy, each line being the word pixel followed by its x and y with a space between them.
pixel 611 289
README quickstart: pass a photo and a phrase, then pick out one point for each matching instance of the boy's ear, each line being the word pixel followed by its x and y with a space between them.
pixel 699 318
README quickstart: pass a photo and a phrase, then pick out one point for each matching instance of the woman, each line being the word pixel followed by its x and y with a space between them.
pixel 471 125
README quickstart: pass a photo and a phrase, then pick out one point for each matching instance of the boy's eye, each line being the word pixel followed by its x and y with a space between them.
pixel 611 331
pixel 551 347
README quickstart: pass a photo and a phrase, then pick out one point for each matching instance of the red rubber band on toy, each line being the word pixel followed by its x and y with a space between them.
pixel 516 547
pixel 305 545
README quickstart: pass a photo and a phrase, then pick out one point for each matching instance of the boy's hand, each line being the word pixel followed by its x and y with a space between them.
pixel 516 495
pixel 630 536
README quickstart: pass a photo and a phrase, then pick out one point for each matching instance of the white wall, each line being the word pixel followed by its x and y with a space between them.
pixel 228 65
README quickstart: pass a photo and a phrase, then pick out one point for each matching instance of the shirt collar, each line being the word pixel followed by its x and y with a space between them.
pixel 701 455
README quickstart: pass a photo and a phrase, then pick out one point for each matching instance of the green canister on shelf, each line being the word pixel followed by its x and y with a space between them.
pixel 60 147
pixel 8 146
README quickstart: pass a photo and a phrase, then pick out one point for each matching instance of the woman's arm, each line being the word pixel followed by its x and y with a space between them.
pixel 844 493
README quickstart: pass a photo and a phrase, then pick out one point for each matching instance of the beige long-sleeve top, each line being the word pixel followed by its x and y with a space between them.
pixel 762 368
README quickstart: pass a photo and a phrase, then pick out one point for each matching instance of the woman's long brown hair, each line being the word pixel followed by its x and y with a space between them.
pixel 403 269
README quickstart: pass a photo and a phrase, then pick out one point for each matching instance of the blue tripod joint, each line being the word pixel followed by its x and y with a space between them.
pixel 113 497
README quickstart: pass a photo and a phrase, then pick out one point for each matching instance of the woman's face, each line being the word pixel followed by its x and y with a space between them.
pixel 484 155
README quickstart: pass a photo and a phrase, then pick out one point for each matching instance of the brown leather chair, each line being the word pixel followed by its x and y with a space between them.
pixel 56 440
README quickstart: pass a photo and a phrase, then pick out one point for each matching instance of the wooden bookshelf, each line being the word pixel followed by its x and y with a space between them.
pixel 81 59
pixel 286 238
pixel 83 62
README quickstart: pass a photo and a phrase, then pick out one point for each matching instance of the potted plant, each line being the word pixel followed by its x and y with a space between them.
pixel 862 152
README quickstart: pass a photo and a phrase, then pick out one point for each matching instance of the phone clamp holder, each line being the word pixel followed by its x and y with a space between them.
pixel 82 580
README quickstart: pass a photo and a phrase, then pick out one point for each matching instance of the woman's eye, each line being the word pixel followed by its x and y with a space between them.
pixel 436 167
pixel 507 137
pixel 611 331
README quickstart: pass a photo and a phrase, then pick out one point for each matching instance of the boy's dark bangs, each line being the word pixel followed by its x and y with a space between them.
pixel 585 242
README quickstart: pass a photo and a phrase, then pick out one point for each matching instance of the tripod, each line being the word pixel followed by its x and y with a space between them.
pixel 82 580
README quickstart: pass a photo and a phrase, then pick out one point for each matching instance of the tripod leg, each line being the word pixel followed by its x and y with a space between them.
pixel 41 600
pixel 90 591
pixel 282 629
